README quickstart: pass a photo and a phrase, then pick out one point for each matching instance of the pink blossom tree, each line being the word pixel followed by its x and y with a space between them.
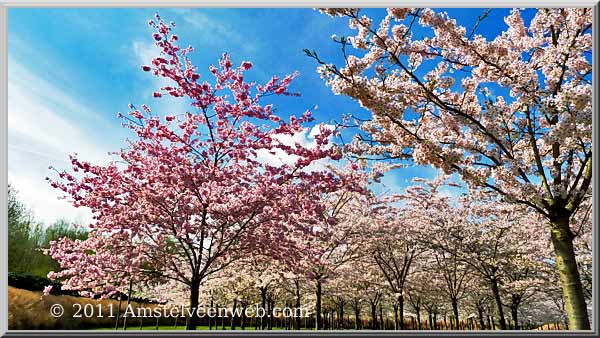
pixel 519 122
pixel 189 194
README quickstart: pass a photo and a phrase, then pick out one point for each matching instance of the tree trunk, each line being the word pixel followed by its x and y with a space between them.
pixel 243 320
pixel 142 317
pixel 396 323
pixel 271 303
pixel 418 311
pixel 455 312
pixel 373 317
pixel 356 317
pixel 128 303
pixel 496 293
pixel 401 309
pixel 342 315
pixel 318 321
pixel 263 300
pixel 481 322
pixel 333 325
pixel 515 316
pixel 210 320
pixel 430 321
pixel 233 314
pixel 575 305
pixel 222 322
pixel 194 301
pixel 381 318
pixel 297 314
pixel 118 312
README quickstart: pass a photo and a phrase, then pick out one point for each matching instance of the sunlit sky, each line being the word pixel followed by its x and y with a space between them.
pixel 72 70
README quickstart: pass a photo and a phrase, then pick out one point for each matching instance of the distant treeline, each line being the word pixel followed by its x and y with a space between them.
pixel 27 237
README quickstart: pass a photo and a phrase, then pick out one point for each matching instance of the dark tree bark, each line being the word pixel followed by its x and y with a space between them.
pixel 374 316
pixel 192 322
pixel 496 293
pixel 318 319
pixel 401 309
pixel 454 302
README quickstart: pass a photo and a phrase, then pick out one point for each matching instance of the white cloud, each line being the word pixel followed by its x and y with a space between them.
pixel 212 31
pixel 44 127
pixel 305 138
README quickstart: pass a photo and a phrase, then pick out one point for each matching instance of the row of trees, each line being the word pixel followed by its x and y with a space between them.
pixel 27 237
pixel 222 196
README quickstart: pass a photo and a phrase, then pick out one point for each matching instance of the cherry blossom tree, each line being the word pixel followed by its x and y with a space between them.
pixel 510 113
pixel 394 250
pixel 336 240
pixel 189 195
pixel 479 299
pixel 438 222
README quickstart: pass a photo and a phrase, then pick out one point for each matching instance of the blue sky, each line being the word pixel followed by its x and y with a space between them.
pixel 72 70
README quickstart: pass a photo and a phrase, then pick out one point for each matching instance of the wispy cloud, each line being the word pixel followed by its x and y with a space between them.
pixel 44 127
pixel 212 30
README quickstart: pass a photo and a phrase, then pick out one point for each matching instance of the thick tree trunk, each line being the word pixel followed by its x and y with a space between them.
pixel 401 310
pixel 418 311
pixel 373 317
pixel 318 321
pixel 455 312
pixel 496 293
pixel 396 323
pixel 575 305
pixel 194 301
pixel 382 327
